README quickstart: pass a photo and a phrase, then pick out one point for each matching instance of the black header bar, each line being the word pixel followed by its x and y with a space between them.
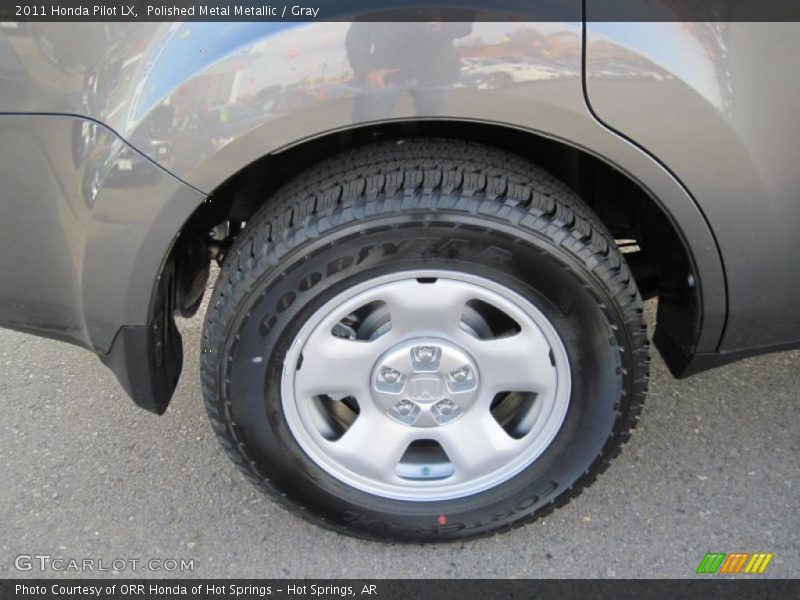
pixel 398 10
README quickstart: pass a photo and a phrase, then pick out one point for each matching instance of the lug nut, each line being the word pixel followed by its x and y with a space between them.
pixel 460 375
pixel 404 408
pixel 424 353
pixel 390 375
pixel 405 411
pixel 444 407
pixel 445 411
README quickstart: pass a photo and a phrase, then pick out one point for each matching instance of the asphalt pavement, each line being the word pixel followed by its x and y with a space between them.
pixel 85 474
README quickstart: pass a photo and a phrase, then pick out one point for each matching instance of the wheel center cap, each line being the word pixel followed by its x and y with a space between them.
pixel 425 388
pixel 425 382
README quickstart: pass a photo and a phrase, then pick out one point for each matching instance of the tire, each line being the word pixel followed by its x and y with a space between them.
pixel 413 228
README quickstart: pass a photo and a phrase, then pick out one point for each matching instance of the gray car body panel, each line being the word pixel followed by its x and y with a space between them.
pixel 716 103
pixel 87 239
pixel 92 265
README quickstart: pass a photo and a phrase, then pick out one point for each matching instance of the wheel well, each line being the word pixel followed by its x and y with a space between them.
pixel 651 243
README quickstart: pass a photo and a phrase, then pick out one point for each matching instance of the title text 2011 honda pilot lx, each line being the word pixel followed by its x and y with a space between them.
pixel 434 236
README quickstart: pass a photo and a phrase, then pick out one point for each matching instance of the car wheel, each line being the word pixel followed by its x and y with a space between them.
pixel 424 340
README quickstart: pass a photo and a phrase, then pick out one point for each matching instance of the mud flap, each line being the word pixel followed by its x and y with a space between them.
pixel 147 360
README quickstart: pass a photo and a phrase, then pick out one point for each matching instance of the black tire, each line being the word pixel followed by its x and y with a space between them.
pixel 423 203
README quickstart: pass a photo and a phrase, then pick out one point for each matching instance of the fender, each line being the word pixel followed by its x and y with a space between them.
pixel 183 95
pixel 307 80
pixel 87 207
pixel 725 86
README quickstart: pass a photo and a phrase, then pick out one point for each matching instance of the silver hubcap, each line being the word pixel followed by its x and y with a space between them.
pixel 426 385
pixel 424 382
